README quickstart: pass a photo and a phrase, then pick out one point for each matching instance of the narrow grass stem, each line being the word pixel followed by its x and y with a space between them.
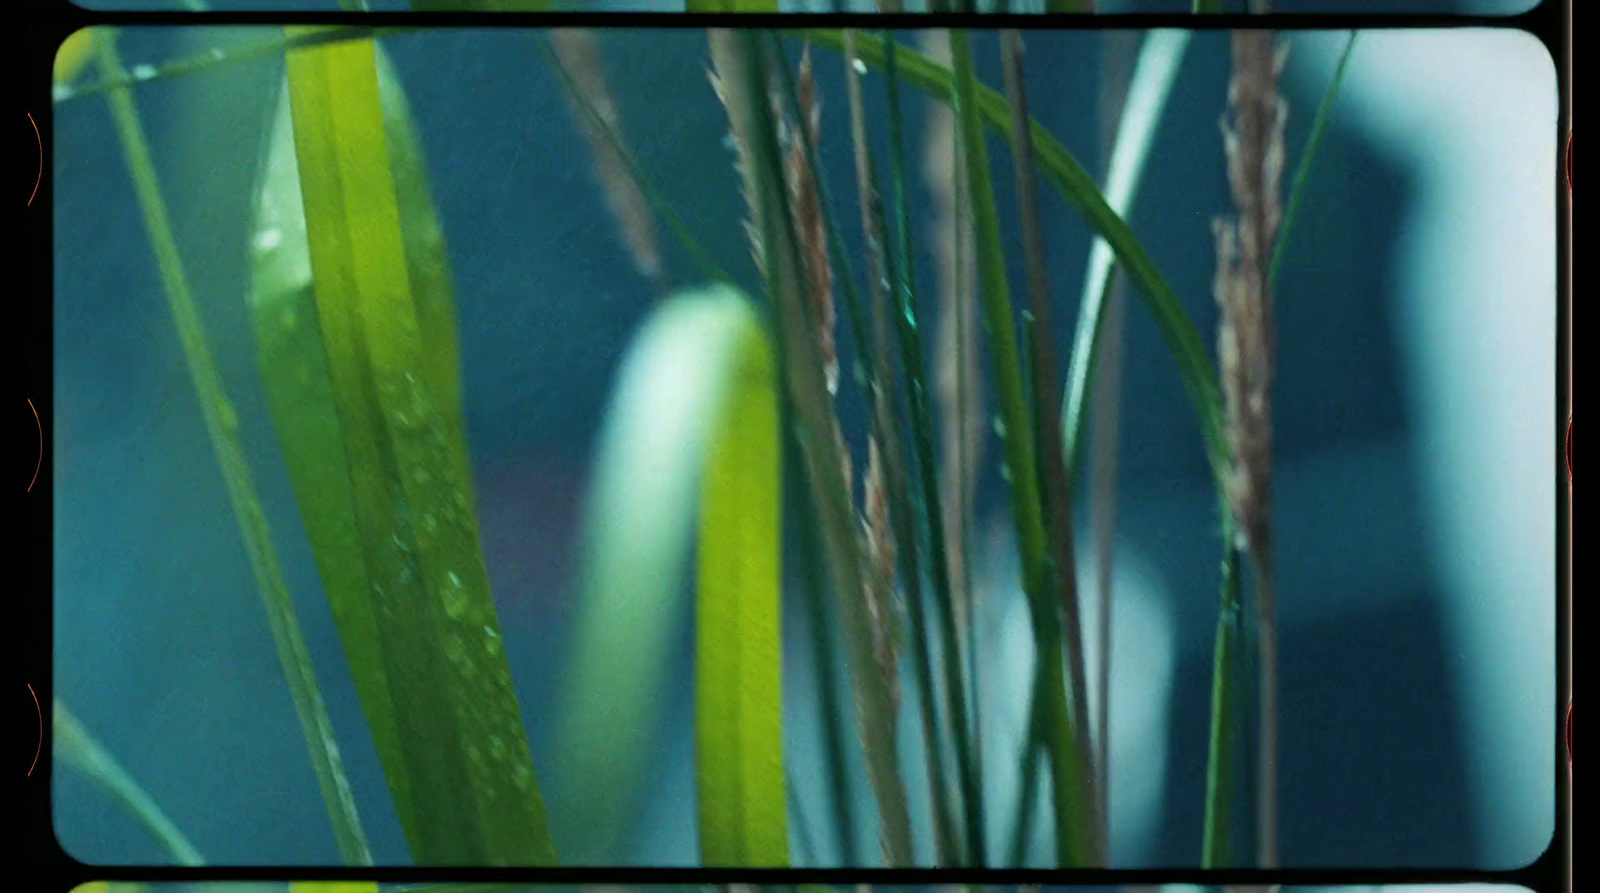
pixel 824 463
pixel 1074 836
pixel 222 426
pixel 882 400
pixel 902 277
pixel 841 798
pixel 74 746
pixel 1302 174
pixel 1074 183
pixel 613 140
pixel 1053 474
pixel 1216 843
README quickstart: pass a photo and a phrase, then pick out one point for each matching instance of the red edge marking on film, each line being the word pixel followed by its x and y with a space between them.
pixel 40 747
pixel 40 461
pixel 38 178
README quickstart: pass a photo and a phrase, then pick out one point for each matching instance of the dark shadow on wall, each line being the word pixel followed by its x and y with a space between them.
pixel 1372 772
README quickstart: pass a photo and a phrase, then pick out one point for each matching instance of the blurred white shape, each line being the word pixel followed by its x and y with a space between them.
pixel 1471 113
pixel 1142 660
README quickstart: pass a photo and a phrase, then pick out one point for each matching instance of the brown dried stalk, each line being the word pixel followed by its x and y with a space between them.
pixel 1245 352
pixel 956 377
pixel 730 89
pixel 886 433
pixel 881 610
pixel 1051 457
pixel 848 551
pixel 580 56
pixel 807 211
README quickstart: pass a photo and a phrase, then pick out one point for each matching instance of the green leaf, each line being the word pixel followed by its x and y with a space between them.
pixel 699 363
pixel 1302 174
pixel 738 678
pixel 460 740
pixel 294 370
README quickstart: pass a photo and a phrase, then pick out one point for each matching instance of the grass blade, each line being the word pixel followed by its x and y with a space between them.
pixel 901 276
pixel 1216 843
pixel 294 369
pixel 590 93
pixel 76 748
pixel 1074 184
pixel 1302 173
pixel 599 124
pixel 738 705
pixel 818 617
pixel 882 399
pixel 441 650
pixel 222 426
pixel 742 58
pixel 1055 492
pixel 1068 766
pixel 1156 72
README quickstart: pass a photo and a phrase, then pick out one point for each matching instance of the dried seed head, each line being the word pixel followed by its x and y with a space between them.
pixel 579 54
pixel 728 84
pixel 1246 340
pixel 806 209
pixel 880 571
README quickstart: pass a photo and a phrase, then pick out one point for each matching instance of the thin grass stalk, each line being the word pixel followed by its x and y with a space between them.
pixel 1302 173
pixel 74 746
pixel 1033 753
pixel 1245 349
pixel 741 55
pixel 814 228
pixel 1068 765
pixel 1053 473
pixel 882 400
pixel 1228 662
pixel 879 390
pixel 841 797
pixel 1216 841
pixel 957 381
pixel 840 270
pixel 1075 185
pixel 222 427
pixel 1117 55
pixel 902 279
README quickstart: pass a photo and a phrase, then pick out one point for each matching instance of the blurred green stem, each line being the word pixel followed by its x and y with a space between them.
pixel 222 425
pixel 75 747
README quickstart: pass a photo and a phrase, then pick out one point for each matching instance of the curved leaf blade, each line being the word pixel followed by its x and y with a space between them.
pixel 463 748
pixel 689 375
pixel 738 669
